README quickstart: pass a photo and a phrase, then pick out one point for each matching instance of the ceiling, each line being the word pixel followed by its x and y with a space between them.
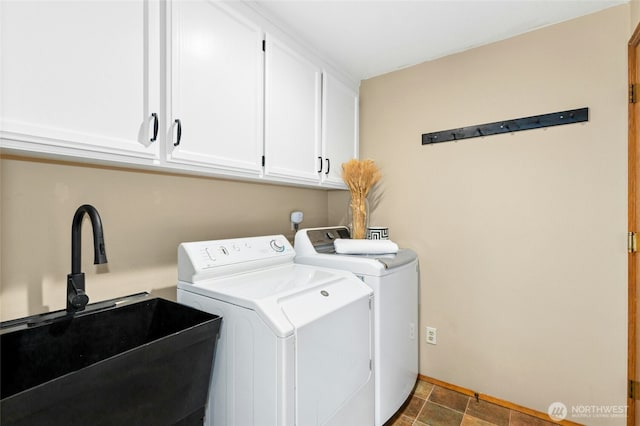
pixel 372 37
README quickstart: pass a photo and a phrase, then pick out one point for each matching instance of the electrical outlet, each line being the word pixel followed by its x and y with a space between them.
pixel 296 220
pixel 432 335
pixel 412 331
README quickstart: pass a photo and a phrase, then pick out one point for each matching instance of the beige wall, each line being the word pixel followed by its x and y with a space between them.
pixel 145 217
pixel 521 237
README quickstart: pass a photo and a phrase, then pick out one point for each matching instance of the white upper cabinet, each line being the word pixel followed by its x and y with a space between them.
pixel 215 69
pixel 311 119
pixel 193 86
pixel 339 128
pixel 80 78
pixel 292 115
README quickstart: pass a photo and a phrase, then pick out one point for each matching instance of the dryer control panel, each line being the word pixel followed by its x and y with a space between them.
pixel 201 260
pixel 319 240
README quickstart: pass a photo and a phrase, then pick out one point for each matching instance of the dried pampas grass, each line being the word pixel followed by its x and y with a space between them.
pixel 360 176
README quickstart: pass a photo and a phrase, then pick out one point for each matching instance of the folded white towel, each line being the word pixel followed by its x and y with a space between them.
pixel 348 246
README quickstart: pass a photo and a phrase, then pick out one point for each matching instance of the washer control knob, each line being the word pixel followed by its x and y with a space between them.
pixel 277 246
pixel 209 255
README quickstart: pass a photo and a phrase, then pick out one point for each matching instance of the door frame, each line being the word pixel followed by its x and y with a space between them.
pixel 634 43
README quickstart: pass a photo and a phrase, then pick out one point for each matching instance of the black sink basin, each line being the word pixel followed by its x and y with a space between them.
pixel 142 363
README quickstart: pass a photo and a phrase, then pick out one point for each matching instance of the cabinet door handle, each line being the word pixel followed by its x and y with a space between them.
pixel 328 166
pixel 155 127
pixel 179 135
pixel 320 169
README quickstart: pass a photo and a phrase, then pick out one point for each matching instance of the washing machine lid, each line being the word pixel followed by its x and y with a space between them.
pixel 258 273
pixel 265 291
pixel 314 246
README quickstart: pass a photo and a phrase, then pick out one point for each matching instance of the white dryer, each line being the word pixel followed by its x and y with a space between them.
pixel 296 341
pixel 394 281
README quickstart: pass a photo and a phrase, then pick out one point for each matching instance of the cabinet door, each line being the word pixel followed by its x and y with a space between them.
pixel 216 63
pixel 339 128
pixel 292 115
pixel 80 78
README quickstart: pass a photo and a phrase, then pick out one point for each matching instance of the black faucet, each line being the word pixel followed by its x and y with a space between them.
pixel 77 299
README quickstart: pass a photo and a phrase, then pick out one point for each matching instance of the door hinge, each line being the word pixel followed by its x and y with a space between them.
pixel 633 93
pixel 634 389
pixel 264 45
pixel 263 161
pixel 632 246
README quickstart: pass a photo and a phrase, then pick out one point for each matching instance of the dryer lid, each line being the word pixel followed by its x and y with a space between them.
pixel 314 246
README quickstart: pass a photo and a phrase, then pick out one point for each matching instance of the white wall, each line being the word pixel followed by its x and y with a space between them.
pixel 521 236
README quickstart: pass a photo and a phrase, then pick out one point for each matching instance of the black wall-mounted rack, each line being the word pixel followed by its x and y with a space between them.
pixel 508 126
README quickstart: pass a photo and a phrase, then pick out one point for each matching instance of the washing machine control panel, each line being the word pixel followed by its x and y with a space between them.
pixel 213 258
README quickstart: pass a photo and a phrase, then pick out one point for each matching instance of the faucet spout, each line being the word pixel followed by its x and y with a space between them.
pixel 77 299
pixel 99 254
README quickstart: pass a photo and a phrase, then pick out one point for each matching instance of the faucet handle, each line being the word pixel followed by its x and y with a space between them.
pixel 77 299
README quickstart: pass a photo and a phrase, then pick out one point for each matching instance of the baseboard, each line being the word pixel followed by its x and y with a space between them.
pixel 494 400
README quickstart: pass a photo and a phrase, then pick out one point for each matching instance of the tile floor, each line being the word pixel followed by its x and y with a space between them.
pixel 436 406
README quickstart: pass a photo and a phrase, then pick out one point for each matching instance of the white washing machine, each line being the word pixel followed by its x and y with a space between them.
pixel 394 281
pixel 296 341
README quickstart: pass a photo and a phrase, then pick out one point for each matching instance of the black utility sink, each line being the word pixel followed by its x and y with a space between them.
pixel 135 363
